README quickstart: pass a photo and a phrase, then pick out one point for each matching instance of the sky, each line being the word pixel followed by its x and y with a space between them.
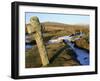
pixel 60 18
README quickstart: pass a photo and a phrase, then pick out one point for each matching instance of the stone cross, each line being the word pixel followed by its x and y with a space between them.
pixel 35 30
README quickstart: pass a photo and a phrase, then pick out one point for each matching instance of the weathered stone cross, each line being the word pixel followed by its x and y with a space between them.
pixel 35 30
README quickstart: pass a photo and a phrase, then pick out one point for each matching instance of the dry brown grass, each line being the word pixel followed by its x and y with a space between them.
pixel 57 53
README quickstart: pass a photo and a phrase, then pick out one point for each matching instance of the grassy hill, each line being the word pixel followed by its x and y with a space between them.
pixel 56 52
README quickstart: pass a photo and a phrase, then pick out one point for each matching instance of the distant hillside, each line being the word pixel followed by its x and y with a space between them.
pixel 54 23
pixel 56 26
pixel 62 24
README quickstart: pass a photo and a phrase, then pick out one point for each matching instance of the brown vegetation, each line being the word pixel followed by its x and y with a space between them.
pixel 57 53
